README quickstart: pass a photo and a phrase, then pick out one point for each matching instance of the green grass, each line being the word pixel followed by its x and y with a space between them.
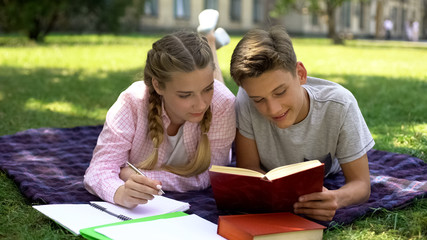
pixel 72 80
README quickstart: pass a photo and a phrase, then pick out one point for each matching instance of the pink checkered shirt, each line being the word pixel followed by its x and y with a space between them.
pixel 125 138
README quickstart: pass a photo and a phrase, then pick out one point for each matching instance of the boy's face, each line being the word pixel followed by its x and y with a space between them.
pixel 278 95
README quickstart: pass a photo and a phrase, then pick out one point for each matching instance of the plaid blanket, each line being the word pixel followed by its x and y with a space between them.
pixel 48 165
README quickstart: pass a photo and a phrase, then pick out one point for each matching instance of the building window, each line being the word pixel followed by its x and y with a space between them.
pixel 394 18
pixel 345 15
pixel 258 11
pixel 182 9
pixel 404 22
pixel 314 19
pixel 151 8
pixel 362 16
pixel 211 4
pixel 235 9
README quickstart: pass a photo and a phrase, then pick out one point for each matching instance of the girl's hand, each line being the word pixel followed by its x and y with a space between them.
pixel 320 206
pixel 137 189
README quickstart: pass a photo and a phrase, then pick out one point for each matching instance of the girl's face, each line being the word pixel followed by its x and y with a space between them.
pixel 188 95
pixel 278 95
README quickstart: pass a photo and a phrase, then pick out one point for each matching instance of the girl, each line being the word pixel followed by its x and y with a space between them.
pixel 173 125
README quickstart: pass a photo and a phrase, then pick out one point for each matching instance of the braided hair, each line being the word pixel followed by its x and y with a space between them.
pixel 177 52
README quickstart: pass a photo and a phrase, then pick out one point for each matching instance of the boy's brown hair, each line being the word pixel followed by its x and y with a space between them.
pixel 260 51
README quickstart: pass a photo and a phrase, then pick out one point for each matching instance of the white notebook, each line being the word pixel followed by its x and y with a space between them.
pixel 78 216
pixel 190 227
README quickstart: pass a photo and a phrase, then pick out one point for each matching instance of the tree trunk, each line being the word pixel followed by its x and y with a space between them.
pixel 379 19
pixel 38 30
pixel 330 9
pixel 35 30
pixel 50 24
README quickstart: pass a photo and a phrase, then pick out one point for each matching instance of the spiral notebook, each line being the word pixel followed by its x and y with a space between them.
pixel 74 217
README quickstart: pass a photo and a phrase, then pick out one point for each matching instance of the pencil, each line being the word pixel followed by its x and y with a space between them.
pixel 139 172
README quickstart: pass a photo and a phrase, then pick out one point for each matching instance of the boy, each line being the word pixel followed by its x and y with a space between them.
pixel 284 117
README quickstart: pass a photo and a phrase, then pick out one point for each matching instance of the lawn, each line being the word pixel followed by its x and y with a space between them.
pixel 72 80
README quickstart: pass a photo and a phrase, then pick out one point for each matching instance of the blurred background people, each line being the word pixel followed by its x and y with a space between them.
pixel 388 26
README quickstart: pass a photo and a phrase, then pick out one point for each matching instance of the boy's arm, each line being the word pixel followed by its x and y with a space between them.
pixel 247 153
pixel 323 205
pixel 357 187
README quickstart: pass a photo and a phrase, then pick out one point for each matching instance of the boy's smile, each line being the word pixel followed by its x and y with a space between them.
pixel 278 95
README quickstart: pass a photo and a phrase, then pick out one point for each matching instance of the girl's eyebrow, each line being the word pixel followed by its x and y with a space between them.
pixel 278 87
pixel 210 85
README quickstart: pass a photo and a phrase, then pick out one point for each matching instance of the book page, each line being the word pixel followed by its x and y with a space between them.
pixel 159 205
pixel 76 216
pixel 190 227
pixel 236 170
pixel 290 169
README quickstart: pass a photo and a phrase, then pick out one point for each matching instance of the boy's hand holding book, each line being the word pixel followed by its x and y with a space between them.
pixel 320 206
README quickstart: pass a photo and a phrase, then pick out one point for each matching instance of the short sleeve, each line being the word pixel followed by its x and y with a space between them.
pixel 223 126
pixel 355 138
pixel 243 114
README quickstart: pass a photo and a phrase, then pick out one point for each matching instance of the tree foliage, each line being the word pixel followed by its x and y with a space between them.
pixel 36 18
pixel 323 7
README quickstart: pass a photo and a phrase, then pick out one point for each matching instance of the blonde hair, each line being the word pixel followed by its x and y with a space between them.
pixel 260 51
pixel 178 52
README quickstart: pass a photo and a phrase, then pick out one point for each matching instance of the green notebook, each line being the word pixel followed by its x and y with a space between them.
pixel 91 234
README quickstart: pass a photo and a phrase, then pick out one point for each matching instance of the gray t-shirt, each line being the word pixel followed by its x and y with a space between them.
pixel 333 132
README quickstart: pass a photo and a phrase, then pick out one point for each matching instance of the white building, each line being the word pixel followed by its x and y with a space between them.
pixel 238 15
pixel 353 18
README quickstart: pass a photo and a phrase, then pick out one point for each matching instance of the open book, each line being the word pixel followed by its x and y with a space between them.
pixel 78 216
pixel 249 191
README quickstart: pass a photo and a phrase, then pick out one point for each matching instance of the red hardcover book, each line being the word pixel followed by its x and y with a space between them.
pixel 268 226
pixel 248 191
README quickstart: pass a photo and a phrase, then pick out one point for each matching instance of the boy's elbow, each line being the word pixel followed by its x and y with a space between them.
pixel 367 193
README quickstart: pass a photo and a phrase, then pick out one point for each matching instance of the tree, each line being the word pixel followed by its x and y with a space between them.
pixel 379 19
pixel 36 18
pixel 109 13
pixel 324 7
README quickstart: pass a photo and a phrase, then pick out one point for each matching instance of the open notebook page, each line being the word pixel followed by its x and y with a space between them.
pixel 190 227
pixel 78 216
pixel 158 205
